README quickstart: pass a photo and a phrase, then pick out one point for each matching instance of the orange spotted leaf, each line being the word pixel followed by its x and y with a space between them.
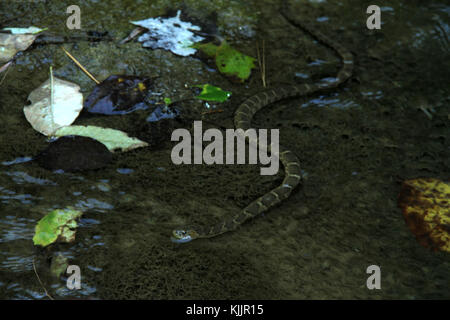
pixel 425 203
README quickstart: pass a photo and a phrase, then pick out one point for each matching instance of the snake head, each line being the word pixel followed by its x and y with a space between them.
pixel 183 236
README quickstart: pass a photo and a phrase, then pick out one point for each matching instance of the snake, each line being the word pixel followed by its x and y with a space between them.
pixel 242 120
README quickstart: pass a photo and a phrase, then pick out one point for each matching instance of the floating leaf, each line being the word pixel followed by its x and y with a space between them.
pixel 10 44
pixel 167 101
pixel 212 93
pixel 426 208
pixel 111 138
pixel 118 95
pixel 74 153
pixel 46 117
pixel 57 225
pixel 229 61
pixel 169 34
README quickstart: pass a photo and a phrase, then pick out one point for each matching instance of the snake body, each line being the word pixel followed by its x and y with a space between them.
pixel 291 164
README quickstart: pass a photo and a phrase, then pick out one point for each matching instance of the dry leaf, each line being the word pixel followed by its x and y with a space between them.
pixel 425 204
pixel 67 104
pixel 10 44
pixel 113 139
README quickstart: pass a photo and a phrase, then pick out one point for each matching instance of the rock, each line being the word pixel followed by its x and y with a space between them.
pixel 74 153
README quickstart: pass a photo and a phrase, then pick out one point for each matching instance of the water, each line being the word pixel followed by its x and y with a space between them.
pixel 357 143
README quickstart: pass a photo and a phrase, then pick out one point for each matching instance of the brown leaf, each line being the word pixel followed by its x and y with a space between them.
pixel 425 203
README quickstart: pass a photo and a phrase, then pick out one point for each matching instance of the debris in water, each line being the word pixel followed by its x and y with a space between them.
pixel 118 95
pixel 170 34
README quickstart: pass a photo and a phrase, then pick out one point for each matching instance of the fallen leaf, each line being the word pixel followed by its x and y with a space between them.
pixel 46 117
pixel 228 60
pixel 59 225
pixel 212 93
pixel 118 95
pixel 169 34
pixel 10 44
pixel 425 203
pixel 113 139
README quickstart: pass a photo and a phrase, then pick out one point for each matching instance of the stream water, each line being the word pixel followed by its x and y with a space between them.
pixel 388 123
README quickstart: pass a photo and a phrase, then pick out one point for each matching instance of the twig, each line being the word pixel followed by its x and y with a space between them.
pixel 212 111
pixel 137 31
pixel 52 95
pixel 3 68
pixel 80 66
pixel 262 64
pixel 42 285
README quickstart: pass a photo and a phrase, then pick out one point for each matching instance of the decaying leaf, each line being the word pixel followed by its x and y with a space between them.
pixel 118 94
pixel 229 61
pixel 169 34
pixel 10 44
pixel 111 138
pixel 57 225
pixel 425 204
pixel 46 117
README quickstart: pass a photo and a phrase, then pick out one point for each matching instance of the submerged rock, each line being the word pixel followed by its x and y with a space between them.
pixel 74 153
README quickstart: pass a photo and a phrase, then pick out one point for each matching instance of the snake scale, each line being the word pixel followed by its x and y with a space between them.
pixel 291 164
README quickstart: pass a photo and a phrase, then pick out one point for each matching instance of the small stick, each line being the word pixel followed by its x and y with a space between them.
pixel 52 94
pixel 3 68
pixel 52 88
pixel 42 285
pixel 80 66
pixel 212 111
pixel 262 64
pixel 137 31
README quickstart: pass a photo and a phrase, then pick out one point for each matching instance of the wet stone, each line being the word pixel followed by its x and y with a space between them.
pixel 74 153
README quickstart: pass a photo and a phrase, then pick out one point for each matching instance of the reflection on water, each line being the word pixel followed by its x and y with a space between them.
pixel 16 161
pixel 14 228
pixel 93 204
pixel 20 177
pixel 7 195
pixel 332 100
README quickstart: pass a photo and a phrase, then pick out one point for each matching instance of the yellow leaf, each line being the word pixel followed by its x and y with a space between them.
pixel 425 203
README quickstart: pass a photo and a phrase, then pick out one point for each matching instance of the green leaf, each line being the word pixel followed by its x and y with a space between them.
pixel 113 139
pixel 207 48
pixel 57 224
pixel 229 61
pixel 212 93
pixel 167 101
pixel 232 62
